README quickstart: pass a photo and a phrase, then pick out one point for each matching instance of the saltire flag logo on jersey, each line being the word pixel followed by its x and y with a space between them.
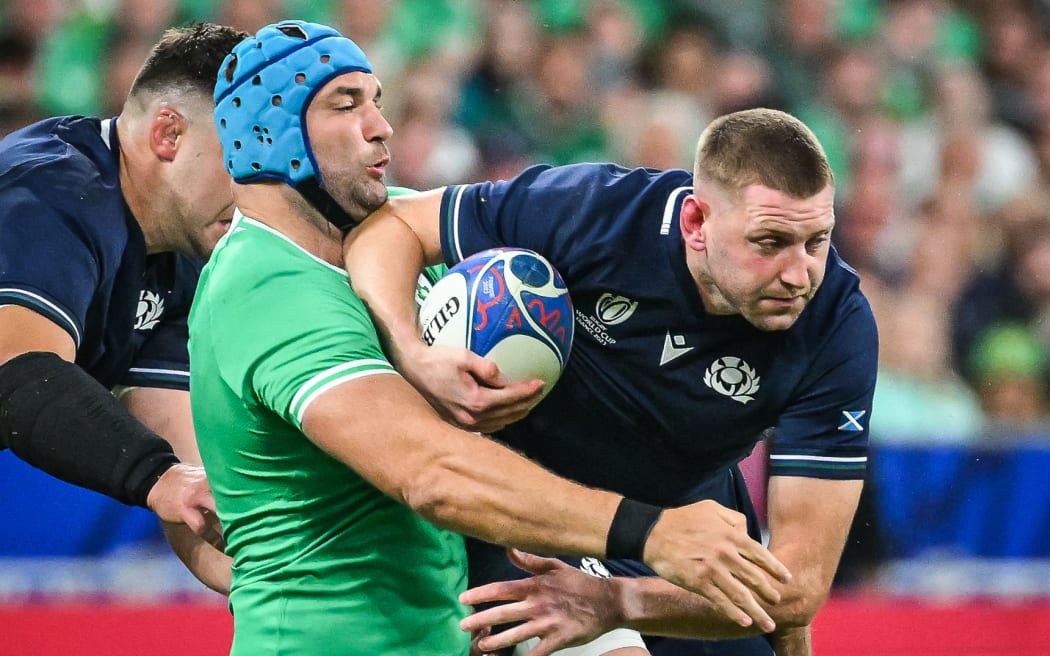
pixel 852 423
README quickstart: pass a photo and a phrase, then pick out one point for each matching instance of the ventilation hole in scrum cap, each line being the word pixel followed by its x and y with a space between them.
pixel 266 130
pixel 276 101
pixel 300 78
pixel 236 145
pixel 236 102
pixel 256 129
pixel 269 141
pixel 295 165
pixel 256 166
pixel 293 30
pixel 325 59
pixel 257 80
pixel 231 66
pixel 259 138
pixel 222 123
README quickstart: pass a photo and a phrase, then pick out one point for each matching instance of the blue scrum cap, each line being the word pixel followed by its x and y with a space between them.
pixel 264 88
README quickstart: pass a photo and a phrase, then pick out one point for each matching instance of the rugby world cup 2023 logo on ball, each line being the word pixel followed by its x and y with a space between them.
pixel 506 304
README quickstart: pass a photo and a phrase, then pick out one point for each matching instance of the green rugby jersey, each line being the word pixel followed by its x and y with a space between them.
pixel 323 562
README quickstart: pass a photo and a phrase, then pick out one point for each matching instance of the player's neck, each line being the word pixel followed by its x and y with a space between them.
pixel 138 190
pixel 711 296
pixel 278 206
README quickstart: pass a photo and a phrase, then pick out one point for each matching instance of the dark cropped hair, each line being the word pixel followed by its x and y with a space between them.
pixel 187 59
pixel 762 146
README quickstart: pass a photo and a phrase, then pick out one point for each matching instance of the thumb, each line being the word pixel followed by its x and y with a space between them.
pixel 534 564
pixel 485 371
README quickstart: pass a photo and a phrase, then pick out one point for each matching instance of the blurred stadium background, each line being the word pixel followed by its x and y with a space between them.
pixel 936 117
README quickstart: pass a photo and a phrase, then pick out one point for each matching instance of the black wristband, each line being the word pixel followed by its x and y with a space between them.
pixel 630 528
pixel 59 419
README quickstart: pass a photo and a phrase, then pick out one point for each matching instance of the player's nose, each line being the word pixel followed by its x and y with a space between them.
pixel 795 269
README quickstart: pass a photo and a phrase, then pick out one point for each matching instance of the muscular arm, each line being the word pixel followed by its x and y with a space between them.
pixel 24 331
pixel 809 519
pixel 59 419
pixel 475 486
pixel 167 412
pixel 384 256
pixel 89 456
pixel 808 522
pixel 455 479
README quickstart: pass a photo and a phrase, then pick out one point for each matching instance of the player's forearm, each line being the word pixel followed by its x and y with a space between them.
pixel 792 642
pixel 455 479
pixel 492 493
pixel 809 520
pixel 653 606
pixel 211 567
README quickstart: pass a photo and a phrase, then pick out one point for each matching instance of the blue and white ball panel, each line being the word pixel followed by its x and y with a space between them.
pixel 508 305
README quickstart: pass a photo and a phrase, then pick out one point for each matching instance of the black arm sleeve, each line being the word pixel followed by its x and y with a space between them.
pixel 59 419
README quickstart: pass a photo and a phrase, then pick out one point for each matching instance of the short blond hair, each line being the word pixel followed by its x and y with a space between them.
pixel 762 146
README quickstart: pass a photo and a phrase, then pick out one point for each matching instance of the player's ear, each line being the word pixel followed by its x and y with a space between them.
pixel 691 221
pixel 165 130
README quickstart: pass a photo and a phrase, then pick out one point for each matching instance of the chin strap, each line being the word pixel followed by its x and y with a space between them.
pixel 312 191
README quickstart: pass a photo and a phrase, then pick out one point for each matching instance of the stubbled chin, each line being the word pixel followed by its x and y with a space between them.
pixel 782 323
pixel 773 322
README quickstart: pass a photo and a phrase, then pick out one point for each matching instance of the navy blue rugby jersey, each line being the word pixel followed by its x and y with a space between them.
pixel 658 395
pixel 71 250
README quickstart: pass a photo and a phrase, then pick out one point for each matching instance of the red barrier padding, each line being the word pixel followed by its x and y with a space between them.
pixel 868 626
pixel 108 629
pixel 887 626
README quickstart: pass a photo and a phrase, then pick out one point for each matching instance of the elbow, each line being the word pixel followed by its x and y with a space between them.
pixel 799 610
pixel 433 493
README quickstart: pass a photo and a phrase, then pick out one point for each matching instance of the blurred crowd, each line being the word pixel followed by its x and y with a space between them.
pixel 935 115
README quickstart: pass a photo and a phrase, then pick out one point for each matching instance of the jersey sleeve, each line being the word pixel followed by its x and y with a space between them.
pixel 49 261
pixel 293 338
pixel 546 209
pixel 824 434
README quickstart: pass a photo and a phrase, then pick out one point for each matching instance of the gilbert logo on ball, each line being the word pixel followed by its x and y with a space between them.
pixel 506 304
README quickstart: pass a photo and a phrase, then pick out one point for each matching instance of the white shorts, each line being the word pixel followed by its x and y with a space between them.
pixel 615 639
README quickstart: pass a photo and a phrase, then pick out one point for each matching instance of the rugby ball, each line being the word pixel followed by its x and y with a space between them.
pixel 506 304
